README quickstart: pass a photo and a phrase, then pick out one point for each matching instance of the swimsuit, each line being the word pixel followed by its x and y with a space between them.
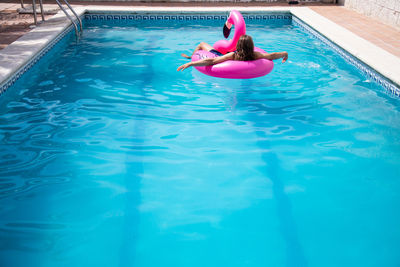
pixel 215 52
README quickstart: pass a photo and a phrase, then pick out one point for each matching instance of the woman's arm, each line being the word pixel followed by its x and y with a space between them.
pixel 272 56
pixel 207 61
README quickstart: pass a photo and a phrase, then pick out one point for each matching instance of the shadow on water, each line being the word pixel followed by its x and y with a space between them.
pixel 294 251
pixel 134 170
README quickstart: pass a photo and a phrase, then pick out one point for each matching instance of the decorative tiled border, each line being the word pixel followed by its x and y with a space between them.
pixel 367 70
pixel 181 17
pixel 390 87
pixel 11 80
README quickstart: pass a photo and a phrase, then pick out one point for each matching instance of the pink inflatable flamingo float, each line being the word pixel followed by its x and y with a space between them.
pixel 233 69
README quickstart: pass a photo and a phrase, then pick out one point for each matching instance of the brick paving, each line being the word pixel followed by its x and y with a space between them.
pixel 12 24
pixel 382 35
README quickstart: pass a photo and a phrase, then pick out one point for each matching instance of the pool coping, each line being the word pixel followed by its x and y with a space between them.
pixel 16 58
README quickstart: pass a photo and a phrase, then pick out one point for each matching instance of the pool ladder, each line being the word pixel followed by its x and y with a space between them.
pixel 68 16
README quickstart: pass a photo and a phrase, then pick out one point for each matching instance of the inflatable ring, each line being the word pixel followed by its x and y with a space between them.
pixel 233 69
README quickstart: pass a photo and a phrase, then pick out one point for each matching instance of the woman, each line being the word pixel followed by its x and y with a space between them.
pixel 244 52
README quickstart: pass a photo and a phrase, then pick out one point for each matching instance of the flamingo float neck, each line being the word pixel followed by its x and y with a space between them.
pixel 225 46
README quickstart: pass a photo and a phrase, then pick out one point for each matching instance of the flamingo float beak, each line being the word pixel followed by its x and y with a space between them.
pixel 227 29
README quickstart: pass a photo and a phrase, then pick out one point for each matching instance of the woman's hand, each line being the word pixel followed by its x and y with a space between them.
pixel 184 66
pixel 285 56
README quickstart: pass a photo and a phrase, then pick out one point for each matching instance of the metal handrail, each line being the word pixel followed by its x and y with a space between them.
pixel 34 9
pixel 76 15
pixel 68 16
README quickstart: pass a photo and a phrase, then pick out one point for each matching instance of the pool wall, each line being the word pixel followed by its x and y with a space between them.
pixel 373 61
pixel 389 86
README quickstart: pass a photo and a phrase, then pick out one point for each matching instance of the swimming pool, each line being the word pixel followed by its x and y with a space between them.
pixel 110 157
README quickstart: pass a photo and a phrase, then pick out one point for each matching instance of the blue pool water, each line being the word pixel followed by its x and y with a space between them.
pixel 109 157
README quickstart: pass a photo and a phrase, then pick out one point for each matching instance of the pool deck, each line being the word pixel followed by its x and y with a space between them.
pixel 372 42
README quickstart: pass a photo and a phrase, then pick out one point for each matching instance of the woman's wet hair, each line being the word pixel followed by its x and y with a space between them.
pixel 245 48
